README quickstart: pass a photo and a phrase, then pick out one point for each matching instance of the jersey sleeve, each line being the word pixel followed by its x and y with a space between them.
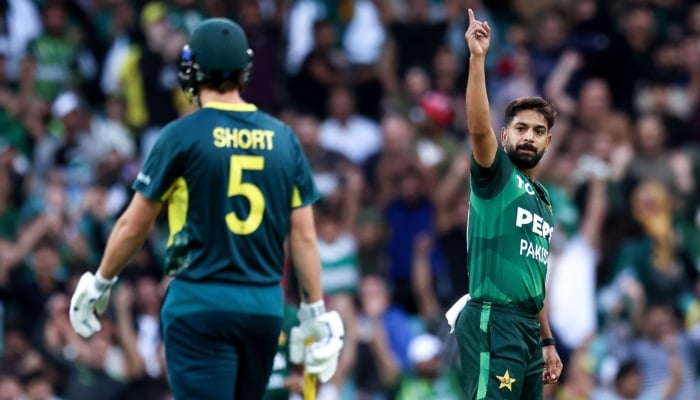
pixel 305 191
pixel 161 168
pixel 487 182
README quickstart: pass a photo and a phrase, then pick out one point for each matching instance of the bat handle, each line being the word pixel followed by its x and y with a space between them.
pixel 309 379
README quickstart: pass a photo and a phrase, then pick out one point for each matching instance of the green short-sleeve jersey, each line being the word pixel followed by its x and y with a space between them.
pixel 56 60
pixel 230 176
pixel 510 227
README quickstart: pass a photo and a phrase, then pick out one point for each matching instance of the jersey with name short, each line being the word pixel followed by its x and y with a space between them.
pixel 510 227
pixel 230 175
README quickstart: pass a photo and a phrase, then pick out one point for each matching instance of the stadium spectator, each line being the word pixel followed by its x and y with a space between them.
pixel 101 77
pixel 345 131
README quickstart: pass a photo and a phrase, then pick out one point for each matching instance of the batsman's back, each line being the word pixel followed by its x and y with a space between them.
pixel 249 170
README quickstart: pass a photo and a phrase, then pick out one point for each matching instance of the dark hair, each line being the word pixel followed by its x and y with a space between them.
pixel 320 24
pixel 326 210
pixel 627 368
pixel 33 376
pixel 223 84
pixel 535 103
pixel 635 7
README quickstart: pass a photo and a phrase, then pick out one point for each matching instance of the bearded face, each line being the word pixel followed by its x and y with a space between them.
pixel 524 156
pixel 526 139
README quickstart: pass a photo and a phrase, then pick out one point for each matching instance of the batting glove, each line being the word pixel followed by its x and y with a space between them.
pixel 91 295
pixel 317 341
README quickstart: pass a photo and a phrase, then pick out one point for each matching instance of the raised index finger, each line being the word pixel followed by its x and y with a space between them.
pixel 470 12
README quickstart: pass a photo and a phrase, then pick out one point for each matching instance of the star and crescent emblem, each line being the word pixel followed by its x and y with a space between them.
pixel 506 381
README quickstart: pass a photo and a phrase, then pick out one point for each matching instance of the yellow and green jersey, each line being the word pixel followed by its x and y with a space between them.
pixel 230 176
pixel 510 227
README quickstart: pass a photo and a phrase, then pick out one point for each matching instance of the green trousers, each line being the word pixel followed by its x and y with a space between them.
pixel 500 352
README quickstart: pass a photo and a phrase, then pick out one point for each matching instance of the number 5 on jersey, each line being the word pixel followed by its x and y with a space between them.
pixel 236 187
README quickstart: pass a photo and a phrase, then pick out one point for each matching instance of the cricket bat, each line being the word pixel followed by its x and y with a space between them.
pixel 309 379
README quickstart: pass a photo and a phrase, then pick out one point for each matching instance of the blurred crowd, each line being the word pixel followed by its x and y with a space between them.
pixel 374 89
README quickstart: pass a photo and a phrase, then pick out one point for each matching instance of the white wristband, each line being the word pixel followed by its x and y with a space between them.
pixel 102 283
pixel 313 310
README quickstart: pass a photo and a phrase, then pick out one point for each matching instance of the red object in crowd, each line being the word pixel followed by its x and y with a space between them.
pixel 438 107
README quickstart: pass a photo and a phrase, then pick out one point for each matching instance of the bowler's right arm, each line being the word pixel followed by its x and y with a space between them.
pixel 483 138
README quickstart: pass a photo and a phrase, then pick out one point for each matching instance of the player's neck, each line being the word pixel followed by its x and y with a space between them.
pixel 530 173
pixel 211 96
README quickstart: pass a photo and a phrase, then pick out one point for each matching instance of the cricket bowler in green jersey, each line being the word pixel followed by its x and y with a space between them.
pixel 236 185
pixel 505 342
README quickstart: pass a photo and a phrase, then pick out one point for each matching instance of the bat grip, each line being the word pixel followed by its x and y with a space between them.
pixel 309 379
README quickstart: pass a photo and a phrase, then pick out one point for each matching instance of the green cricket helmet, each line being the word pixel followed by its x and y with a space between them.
pixel 216 52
